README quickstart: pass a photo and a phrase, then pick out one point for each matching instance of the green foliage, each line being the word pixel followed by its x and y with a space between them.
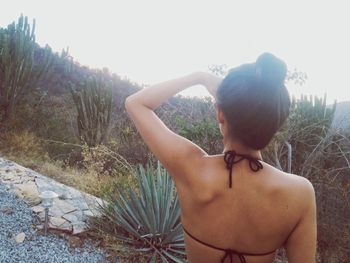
pixel 306 129
pixel 204 132
pixel 309 125
pixel 194 119
pixel 147 219
pixel 93 100
pixel 17 61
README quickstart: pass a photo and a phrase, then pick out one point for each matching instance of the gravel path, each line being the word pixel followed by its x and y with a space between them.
pixel 16 217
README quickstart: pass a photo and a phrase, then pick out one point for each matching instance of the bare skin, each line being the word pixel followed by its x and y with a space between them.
pixel 260 213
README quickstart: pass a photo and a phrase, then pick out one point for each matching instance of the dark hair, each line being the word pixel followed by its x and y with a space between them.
pixel 255 101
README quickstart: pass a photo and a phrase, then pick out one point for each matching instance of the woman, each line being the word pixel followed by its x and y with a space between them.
pixel 235 207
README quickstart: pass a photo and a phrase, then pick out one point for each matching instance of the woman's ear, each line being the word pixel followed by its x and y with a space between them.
pixel 219 114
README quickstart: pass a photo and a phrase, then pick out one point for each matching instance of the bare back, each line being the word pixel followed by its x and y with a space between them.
pixel 256 215
pixel 261 211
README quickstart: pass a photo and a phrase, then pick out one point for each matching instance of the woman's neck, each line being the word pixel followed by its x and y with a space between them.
pixel 230 145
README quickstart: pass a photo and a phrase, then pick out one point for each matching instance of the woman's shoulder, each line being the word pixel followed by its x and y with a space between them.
pixel 300 187
pixel 291 186
pixel 294 181
pixel 288 178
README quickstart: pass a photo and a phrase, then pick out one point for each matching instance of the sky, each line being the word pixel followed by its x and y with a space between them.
pixel 152 41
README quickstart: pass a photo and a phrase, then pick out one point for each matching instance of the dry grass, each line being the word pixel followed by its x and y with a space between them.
pixel 88 182
pixel 84 181
pixel 22 145
pixel 27 150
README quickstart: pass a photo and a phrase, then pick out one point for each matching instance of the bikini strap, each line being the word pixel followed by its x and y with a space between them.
pixel 229 253
pixel 230 156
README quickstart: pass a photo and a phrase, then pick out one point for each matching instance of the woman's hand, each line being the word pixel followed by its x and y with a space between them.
pixel 210 81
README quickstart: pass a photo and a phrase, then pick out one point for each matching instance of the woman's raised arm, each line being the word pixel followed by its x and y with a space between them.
pixel 176 153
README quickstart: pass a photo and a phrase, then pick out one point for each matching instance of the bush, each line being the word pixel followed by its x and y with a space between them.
pixel 146 220
pixel 103 161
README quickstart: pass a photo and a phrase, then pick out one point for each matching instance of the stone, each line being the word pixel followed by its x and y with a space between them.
pixel 17 180
pixel 20 238
pixel 66 196
pixel 79 228
pixel 7 210
pixel 8 177
pixel 79 204
pixel 26 179
pixel 18 193
pixel 69 211
pixel 88 213
pixel 64 206
pixel 39 227
pixel 37 209
pixel 31 175
pixel 58 223
pixel 30 193
pixel 20 170
pixel 92 212
pixel 20 175
pixel 55 211
pixel 74 241
pixel 71 218
pixel 78 214
pixel 74 193
pixel 93 201
pixel 45 184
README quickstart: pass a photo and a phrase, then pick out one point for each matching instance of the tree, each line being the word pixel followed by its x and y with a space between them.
pixel 93 100
pixel 18 71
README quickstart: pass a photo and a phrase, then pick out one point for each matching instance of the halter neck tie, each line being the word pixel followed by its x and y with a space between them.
pixel 230 156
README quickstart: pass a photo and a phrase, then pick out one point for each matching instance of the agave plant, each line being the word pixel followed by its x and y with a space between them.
pixel 148 218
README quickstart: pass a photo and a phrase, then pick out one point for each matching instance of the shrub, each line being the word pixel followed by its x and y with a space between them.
pixel 146 219
pixel 204 132
pixel 103 161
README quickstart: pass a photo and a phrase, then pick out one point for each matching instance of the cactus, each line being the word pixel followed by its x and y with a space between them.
pixel 93 100
pixel 18 71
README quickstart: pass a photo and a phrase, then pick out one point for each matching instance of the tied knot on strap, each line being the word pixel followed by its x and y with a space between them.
pixel 230 159
pixel 229 253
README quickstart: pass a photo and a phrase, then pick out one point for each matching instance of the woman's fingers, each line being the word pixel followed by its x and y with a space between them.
pixel 211 82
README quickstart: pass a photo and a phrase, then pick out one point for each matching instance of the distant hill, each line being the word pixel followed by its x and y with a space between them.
pixel 342 116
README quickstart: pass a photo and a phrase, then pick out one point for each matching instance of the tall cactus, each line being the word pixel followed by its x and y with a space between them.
pixel 93 100
pixel 18 70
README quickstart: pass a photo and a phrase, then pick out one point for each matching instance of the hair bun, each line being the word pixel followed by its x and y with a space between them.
pixel 270 70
